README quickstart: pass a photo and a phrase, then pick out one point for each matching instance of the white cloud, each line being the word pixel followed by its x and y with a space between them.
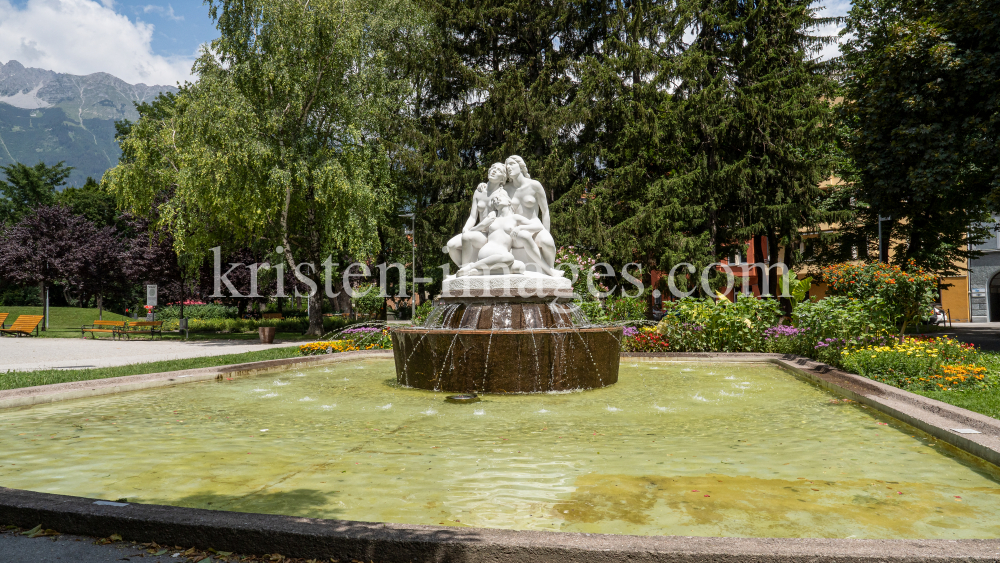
pixel 83 37
pixel 832 9
pixel 167 12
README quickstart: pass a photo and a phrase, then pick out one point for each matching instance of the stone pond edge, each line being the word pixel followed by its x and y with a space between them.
pixel 383 542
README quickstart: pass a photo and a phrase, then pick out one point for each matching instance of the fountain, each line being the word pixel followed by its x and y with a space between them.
pixel 505 322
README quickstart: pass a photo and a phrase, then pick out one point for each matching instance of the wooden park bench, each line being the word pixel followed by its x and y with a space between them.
pixel 3 319
pixel 276 316
pixel 24 325
pixel 152 328
pixel 114 328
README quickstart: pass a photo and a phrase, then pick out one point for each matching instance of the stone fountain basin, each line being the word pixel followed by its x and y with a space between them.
pixel 507 361
pixel 617 417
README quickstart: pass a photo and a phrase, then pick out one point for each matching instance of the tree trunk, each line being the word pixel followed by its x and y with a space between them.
pixel 758 258
pixel 315 316
pixel 772 254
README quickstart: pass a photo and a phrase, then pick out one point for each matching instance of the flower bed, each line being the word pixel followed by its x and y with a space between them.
pixel 369 337
pixel 356 338
pixel 644 339
pixel 942 364
pixel 327 347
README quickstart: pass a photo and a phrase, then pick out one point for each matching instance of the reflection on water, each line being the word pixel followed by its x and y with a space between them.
pixel 685 449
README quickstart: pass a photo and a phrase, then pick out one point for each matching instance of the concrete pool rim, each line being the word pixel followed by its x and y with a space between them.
pixel 384 542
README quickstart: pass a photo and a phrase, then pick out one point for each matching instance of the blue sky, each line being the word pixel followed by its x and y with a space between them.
pixel 179 27
pixel 138 41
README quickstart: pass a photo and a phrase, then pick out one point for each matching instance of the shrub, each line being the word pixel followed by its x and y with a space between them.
pixel 625 308
pixel 369 304
pixel 246 326
pixel 209 311
pixel 904 295
pixel 844 318
pixel 577 264
pixel 695 325
pixel 594 311
pixel 423 310
pixel 786 339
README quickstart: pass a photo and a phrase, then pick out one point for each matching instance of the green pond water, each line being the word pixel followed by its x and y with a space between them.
pixel 672 449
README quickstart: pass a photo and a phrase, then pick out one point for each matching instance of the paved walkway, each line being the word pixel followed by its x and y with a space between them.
pixel 29 354
pixel 71 549
pixel 984 335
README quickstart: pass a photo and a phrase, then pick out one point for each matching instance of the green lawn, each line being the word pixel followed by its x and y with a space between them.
pixel 18 379
pixel 984 402
pixel 65 322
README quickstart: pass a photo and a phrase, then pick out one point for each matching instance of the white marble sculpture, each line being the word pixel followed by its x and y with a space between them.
pixel 505 246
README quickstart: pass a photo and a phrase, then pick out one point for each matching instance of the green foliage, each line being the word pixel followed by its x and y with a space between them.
pixel 905 296
pixel 423 310
pixel 843 318
pixel 249 326
pixel 922 115
pixel 799 290
pixel 578 265
pixel 96 205
pixel 283 137
pixel 698 325
pixel 367 300
pixel 29 187
pixel 20 296
pixel 203 312
pixel 621 308
pixel 692 145
pixel 593 311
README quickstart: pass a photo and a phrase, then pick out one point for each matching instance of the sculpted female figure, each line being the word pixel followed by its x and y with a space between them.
pixel 529 201
pixel 503 226
pixel 464 247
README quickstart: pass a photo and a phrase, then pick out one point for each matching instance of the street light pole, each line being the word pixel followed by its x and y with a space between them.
pixel 413 274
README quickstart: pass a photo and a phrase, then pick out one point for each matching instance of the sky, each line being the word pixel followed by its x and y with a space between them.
pixel 149 41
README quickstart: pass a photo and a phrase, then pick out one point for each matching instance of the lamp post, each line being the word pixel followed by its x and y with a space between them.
pixel 413 274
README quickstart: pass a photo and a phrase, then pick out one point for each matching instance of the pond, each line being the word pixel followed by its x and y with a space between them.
pixel 699 449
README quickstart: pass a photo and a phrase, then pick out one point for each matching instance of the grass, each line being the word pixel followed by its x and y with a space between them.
pixel 64 322
pixel 984 402
pixel 18 379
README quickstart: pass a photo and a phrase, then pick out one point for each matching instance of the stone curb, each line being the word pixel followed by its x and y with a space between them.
pixel 392 543
pixel 40 394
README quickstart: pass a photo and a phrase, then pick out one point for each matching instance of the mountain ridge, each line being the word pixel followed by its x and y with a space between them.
pixel 51 116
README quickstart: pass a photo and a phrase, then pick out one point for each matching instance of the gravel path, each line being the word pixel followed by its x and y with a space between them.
pixel 29 354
